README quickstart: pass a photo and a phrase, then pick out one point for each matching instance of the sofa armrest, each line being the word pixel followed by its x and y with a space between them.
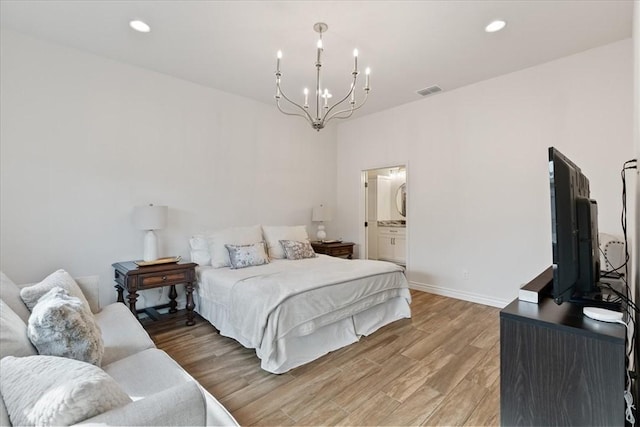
pixel 182 405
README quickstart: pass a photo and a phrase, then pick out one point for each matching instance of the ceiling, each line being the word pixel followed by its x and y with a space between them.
pixel 409 45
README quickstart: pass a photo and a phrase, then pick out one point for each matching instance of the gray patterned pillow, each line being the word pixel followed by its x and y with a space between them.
pixel 297 250
pixel 60 325
pixel 241 256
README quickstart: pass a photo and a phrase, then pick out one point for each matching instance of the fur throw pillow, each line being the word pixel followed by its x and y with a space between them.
pixel 50 391
pixel 60 325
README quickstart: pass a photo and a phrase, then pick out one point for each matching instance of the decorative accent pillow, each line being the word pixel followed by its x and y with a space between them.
pixel 297 250
pixel 273 235
pixel 231 236
pixel 31 294
pixel 49 390
pixel 13 334
pixel 241 256
pixel 200 250
pixel 60 325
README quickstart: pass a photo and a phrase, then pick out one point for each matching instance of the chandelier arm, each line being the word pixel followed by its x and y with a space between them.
pixel 304 110
pixel 288 113
pixel 349 110
pixel 353 87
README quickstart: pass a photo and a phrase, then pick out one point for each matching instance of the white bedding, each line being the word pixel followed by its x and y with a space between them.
pixel 271 306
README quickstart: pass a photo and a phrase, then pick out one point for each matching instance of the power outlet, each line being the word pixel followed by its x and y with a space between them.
pixel 465 274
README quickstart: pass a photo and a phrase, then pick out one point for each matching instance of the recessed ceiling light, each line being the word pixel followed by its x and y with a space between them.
pixel 140 26
pixel 495 26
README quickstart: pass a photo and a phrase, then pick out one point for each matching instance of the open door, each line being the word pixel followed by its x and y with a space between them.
pixel 385 220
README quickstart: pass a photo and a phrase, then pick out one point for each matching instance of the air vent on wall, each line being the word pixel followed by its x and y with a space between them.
pixel 430 90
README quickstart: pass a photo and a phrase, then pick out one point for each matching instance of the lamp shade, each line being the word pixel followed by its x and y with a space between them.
pixel 321 213
pixel 150 217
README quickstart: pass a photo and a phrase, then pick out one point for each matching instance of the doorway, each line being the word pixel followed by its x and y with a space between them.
pixel 385 224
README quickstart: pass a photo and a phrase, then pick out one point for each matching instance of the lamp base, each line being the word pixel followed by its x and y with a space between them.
pixel 150 246
pixel 321 235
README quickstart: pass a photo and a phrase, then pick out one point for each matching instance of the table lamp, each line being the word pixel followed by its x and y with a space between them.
pixel 320 214
pixel 150 218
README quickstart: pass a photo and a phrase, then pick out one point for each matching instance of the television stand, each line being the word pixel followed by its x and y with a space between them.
pixel 558 367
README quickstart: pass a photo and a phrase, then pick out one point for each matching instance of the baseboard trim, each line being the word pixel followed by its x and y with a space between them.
pixel 463 295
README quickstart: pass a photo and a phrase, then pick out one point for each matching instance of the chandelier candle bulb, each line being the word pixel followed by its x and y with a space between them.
pixel 355 60
pixel 278 58
pixel 366 81
pixel 306 98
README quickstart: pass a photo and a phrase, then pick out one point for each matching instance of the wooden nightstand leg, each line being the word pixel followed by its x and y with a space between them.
pixel 120 290
pixel 190 304
pixel 172 296
pixel 133 297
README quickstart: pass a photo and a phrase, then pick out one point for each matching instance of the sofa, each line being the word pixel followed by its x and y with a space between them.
pixel 160 391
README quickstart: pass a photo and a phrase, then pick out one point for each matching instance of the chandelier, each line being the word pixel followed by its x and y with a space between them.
pixel 323 113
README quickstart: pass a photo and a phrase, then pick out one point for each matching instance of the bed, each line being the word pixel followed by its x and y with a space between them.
pixel 293 312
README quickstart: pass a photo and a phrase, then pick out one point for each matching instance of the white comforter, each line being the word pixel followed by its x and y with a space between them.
pixel 266 303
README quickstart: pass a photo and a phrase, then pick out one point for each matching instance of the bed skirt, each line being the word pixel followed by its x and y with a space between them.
pixel 294 350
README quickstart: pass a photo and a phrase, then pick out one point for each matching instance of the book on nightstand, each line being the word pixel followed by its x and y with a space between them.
pixel 537 288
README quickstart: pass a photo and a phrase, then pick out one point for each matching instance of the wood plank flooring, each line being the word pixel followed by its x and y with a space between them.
pixel 441 367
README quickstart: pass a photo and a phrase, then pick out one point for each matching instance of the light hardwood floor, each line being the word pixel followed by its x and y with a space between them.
pixel 441 367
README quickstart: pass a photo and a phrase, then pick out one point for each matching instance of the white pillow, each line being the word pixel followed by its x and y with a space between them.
pixel 273 235
pixel 60 325
pixel 31 294
pixel 200 250
pixel 231 236
pixel 13 334
pixel 241 256
pixel 49 390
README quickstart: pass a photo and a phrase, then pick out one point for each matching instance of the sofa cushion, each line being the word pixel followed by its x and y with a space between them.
pixel 31 294
pixel 50 390
pixel 122 334
pixel 147 372
pixel 61 325
pixel 13 334
pixel 10 294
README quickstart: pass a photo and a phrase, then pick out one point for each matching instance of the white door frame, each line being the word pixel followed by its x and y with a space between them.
pixel 362 210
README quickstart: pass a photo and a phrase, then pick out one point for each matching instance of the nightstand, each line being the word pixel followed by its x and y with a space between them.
pixel 129 276
pixel 342 249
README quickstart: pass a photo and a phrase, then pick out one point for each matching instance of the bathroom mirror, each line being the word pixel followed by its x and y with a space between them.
pixel 401 199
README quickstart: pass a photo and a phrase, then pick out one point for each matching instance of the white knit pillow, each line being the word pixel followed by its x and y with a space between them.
pixel 31 294
pixel 60 325
pixel 49 390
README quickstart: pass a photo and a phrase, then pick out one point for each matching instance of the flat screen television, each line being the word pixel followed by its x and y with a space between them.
pixel 574 231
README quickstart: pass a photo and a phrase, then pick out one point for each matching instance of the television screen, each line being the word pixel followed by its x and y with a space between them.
pixel 574 227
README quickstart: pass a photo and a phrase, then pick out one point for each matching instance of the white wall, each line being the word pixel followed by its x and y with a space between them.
pixel 478 186
pixel 85 139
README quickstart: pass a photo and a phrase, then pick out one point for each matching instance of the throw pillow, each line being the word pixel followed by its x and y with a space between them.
pixel 60 325
pixel 31 294
pixel 231 236
pixel 13 334
pixel 297 250
pixel 273 235
pixel 49 390
pixel 241 256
